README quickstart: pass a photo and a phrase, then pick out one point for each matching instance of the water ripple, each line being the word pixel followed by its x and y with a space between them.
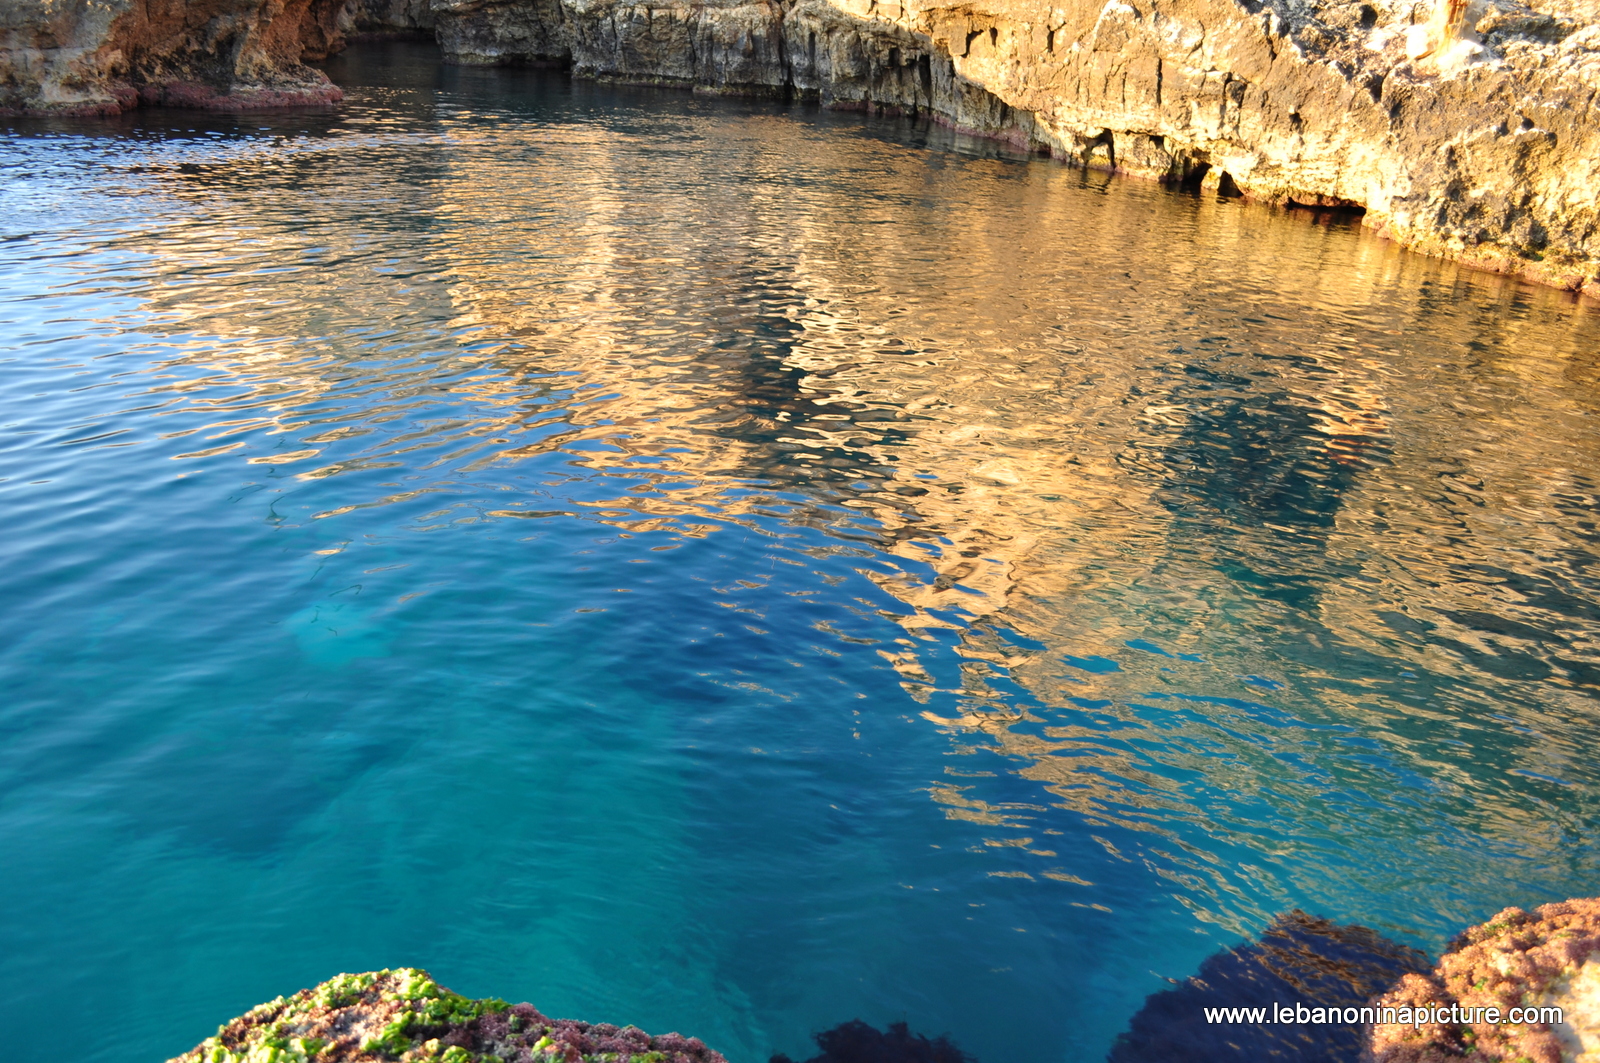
pixel 890 577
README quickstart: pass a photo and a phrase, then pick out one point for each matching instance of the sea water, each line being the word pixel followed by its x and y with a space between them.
pixel 735 568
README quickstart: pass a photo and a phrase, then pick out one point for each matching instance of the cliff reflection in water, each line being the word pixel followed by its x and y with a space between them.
pixel 1245 530
pixel 1282 515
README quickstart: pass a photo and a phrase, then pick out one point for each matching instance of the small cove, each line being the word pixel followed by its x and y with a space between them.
pixel 736 568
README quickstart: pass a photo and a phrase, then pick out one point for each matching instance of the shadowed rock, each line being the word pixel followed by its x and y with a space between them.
pixel 1298 960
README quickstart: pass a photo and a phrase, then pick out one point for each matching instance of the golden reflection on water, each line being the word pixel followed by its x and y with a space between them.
pixel 1077 412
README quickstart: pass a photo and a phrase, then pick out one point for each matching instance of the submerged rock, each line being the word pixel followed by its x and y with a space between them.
pixel 401 1016
pixel 1298 959
pixel 1549 957
pixel 857 1042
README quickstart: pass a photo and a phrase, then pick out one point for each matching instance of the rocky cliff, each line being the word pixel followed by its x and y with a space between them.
pixel 1463 128
pixel 88 57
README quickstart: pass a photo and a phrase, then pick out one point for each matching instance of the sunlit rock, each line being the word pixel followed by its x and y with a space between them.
pixel 1549 957
pixel 1467 128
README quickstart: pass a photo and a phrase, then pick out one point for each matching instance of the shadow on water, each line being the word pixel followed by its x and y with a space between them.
pixel 857 1042
pixel 1299 960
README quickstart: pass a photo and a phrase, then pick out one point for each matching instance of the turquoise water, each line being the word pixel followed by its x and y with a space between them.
pixel 736 568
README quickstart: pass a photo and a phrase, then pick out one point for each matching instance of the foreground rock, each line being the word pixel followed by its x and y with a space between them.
pixel 1547 957
pixel 403 1015
pixel 1298 959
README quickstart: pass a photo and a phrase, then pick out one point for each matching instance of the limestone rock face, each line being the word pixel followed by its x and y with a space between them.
pixel 403 1016
pixel 388 18
pixel 105 56
pixel 1548 957
pixel 97 57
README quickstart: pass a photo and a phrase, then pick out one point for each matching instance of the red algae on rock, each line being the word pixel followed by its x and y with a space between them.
pixel 1547 957
pixel 404 1016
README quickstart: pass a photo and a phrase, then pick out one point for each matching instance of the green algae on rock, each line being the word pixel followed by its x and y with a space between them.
pixel 403 1015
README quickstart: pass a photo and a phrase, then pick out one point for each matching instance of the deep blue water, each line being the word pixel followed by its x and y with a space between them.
pixel 736 568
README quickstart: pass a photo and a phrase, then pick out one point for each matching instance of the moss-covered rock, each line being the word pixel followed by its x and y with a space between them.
pixel 404 1016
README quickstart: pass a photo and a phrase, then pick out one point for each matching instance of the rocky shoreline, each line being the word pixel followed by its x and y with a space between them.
pixel 404 1015
pixel 1466 129
pixel 1460 1011
pixel 1549 957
